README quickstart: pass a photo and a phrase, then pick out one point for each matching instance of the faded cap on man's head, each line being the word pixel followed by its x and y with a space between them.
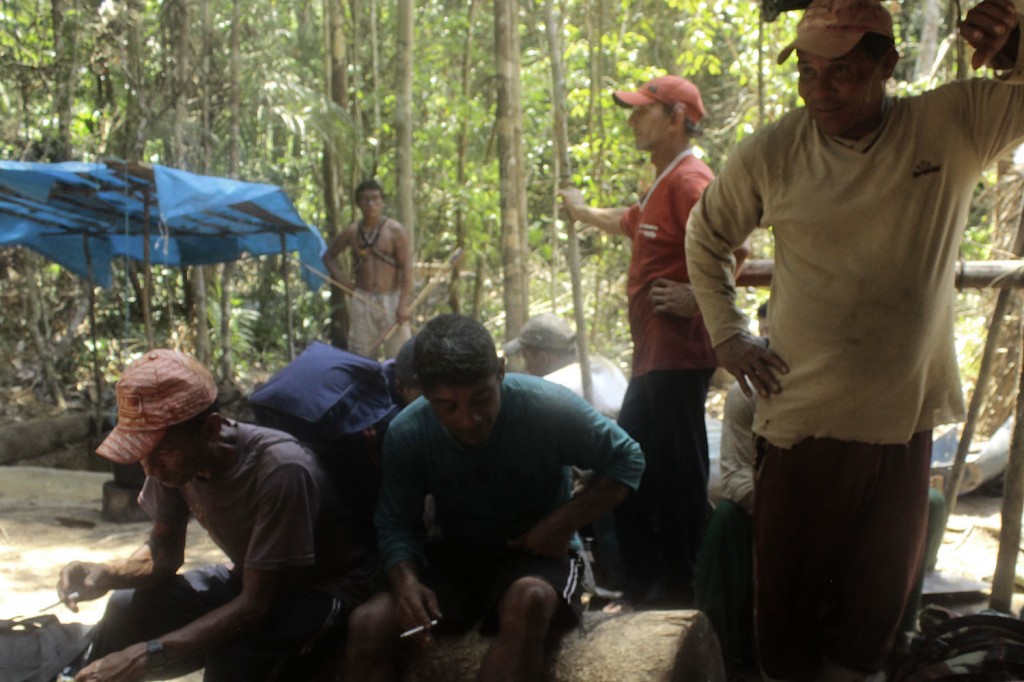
pixel 160 389
pixel 666 90
pixel 546 331
pixel 831 28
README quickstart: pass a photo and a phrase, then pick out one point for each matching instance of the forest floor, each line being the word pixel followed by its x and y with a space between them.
pixel 49 517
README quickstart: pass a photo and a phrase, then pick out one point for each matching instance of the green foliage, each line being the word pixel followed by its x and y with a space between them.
pixel 124 55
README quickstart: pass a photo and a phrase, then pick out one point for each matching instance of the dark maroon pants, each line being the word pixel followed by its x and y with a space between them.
pixel 839 533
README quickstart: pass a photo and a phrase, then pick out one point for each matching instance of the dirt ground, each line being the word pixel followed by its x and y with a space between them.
pixel 49 517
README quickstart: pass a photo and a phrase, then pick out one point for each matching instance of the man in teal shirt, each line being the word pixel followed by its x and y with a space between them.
pixel 493 449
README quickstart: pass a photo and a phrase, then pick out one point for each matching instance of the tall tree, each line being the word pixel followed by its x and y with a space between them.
pixel 462 148
pixel 403 118
pixel 510 167
pixel 553 27
pixel 336 81
pixel 65 36
pixel 928 45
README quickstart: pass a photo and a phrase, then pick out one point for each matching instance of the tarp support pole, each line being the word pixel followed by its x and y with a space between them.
pixel 287 298
pixel 147 275
pixel 97 376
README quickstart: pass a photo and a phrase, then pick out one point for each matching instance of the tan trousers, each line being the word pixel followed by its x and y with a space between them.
pixel 367 323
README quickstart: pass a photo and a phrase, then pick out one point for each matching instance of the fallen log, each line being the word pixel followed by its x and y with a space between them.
pixel 644 646
pixel 36 437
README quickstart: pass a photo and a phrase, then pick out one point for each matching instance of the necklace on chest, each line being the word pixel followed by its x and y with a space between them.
pixel 368 241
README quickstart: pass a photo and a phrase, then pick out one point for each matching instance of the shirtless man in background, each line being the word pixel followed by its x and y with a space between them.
pixel 381 275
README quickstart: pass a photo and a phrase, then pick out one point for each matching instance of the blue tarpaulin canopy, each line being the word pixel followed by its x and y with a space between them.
pixel 76 213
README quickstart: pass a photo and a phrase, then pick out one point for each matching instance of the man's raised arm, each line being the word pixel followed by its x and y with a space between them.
pixel 607 219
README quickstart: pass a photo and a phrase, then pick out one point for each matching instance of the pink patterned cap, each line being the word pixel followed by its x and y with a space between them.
pixel 831 28
pixel 160 389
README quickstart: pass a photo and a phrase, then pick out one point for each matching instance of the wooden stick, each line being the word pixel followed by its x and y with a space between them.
pixel 351 292
pixel 431 284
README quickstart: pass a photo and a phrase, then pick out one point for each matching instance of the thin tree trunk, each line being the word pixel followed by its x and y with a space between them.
pixel 336 81
pixel 182 81
pixel 510 164
pixel 561 135
pixel 65 38
pixel 358 84
pixel 928 47
pixel 403 118
pixel 595 117
pixel 235 106
pixel 234 161
pixel 207 87
pixel 136 111
pixel 375 66
pixel 463 142
pixel 523 288
pixel 37 327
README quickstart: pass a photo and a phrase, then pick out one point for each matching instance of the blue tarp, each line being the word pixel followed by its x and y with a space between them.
pixel 72 212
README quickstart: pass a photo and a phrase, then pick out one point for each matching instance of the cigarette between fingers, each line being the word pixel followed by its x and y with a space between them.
pixel 419 628
pixel 70 597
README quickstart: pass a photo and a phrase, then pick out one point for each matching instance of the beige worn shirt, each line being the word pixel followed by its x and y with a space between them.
pixel 865 242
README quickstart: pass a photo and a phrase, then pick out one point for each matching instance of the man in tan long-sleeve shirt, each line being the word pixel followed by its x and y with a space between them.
pixel 867 196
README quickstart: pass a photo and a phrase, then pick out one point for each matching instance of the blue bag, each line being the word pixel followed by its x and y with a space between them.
pixel 338 404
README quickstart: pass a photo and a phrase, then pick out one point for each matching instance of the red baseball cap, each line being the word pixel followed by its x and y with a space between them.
pixel 666 90
pixel 831 28
pixel 160 389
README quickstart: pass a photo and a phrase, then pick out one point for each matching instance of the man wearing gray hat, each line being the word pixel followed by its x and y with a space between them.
pixel 548 346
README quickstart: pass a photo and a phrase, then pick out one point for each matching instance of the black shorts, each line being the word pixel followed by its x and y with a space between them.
pixel 469 581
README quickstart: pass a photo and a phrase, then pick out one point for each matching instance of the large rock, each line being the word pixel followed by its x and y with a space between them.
pixel 645 646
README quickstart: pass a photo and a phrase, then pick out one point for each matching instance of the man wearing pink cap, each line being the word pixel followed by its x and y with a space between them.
pixel 295 572
pixel 660 526
pixel 867 195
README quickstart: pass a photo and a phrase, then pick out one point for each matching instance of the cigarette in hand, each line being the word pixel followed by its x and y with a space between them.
pixel 419 628
pixel 73 595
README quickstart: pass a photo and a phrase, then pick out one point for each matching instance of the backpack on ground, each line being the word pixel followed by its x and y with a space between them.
pixel 982 647
pixel 37 649
pixel 339 405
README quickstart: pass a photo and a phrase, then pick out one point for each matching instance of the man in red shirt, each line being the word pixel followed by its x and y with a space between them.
pixel 660 526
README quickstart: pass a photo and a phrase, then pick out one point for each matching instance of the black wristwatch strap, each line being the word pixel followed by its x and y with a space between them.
pixel 156 657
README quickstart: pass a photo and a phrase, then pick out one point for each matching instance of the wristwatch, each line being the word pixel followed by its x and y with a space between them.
pixel 156 656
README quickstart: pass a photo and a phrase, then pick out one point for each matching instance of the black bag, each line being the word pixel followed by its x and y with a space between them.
pixel 982 647
pixel 38 649
pixel 338 404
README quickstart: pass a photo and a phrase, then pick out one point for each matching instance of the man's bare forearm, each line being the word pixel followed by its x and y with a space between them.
pixel 156 560
pixel 607 219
